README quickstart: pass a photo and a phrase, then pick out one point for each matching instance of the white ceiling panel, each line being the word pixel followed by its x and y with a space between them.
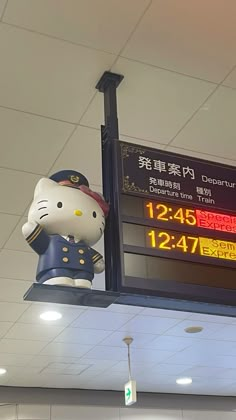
pixel 203 155
pixel 16 240
pixel 172 343
pixel 33 412
pixel 26 260
pixel 7 224
pixel 169 100
pixel 75 155
pixel 53 78
pixel 149 324
pixel 14 359
pixel 231 79
pixel 14 200
pixel 101 320
pixel 63 349
pixel 21 346
pixel 4 327
pixel 206 132
pixel 226 333
pixel 33 332
pixel 73 21
pixel 31 143
pixel 40 362
pixel 13 290
pixel 164 313
pixel 109 353
pixel 82 336
pixel 32 314
pixel 207 331
pixel 11 311
pixel 187 37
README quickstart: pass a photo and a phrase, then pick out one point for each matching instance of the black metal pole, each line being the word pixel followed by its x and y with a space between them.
pixel 110 135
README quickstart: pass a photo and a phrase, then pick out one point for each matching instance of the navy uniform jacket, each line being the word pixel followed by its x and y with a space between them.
pixel 55 252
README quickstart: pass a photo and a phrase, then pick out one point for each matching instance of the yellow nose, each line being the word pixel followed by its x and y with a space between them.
pixel 78 212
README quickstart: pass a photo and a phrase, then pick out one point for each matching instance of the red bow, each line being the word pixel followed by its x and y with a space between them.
pixel 97 197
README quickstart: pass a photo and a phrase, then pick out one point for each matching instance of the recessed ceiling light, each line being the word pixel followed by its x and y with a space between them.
pixel 51 316
pixel 184 381
pixel 2 371
pixel 193 330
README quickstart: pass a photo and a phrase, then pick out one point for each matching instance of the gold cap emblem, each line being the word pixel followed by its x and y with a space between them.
pixel 74 179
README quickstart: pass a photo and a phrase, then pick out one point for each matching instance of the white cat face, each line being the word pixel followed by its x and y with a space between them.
pixel 66 211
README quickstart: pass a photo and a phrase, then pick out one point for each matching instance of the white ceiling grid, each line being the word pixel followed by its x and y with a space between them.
pixel 178 94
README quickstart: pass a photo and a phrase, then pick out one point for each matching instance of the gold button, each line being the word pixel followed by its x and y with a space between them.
pixel 81 261
pixel 65 249
pixel 65 259
pixel 81 251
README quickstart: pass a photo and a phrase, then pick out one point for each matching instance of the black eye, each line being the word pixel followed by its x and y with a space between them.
pixel 94 214
pixel 59 204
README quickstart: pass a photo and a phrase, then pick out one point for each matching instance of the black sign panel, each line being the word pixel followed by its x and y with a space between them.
pixel 176 178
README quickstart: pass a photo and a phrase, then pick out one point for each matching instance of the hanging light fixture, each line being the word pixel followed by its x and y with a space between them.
pixel 130 387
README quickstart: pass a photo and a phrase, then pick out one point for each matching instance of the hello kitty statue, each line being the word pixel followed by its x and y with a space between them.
pixel 65 219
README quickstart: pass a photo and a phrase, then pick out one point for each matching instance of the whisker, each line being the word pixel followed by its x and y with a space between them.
pixel 46 214
pixel 100 230
pixel 42 208
pixel 42 201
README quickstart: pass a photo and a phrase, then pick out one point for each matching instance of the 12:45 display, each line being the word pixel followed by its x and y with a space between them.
pixel 168 213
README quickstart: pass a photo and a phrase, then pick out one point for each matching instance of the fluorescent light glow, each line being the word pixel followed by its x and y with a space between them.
pixel 184 381
pixel 2 371
pixel 51 316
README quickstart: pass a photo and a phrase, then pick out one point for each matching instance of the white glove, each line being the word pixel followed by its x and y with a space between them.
pixel 99 266
pixel 28 228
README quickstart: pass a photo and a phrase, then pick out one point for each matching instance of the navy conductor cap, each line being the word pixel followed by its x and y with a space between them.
pixel 70 178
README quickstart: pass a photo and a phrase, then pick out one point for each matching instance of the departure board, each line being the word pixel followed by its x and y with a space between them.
pixel 178 219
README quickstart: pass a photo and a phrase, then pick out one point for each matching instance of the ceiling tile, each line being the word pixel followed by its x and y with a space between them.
pixel 207 332
pixel 63 349
pixel 163 313
pixel 172 343
pixel 2 5
pixel 4 327
pixel 82 336
pixel 211 318
pixel 128 309
pixel 82 153
pixel 21 346
pixel 153 103
pixel 149 324
pixel 33 412
pixel 231 79
pixel 14 359
pixel 65 412
pixel 8 412
pixel 204 156
pixel 25 260
pixel 16 240
pixel 40 361
pixel 13 290
pixel 73 20
pixel 109 353
pixel 226 333
pixel 32 314
pixel 101 320
pixel 11 311
pixel 34 332
pixel 53 78
pixel 187 37
pixel 14 198
pixel 7 224
pixel 149 414
pixel 31 143
pixel 212 129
